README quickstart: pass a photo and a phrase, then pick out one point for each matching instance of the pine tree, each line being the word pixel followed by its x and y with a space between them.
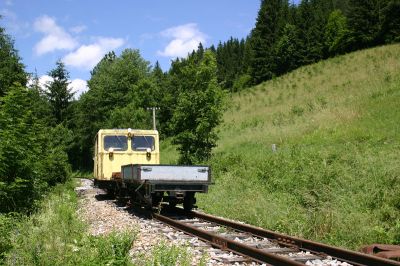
pixel 230 61
pixel 11 69
pixel 311 21
pixel 364 20
pixel 390 28
pixel 270 22
pixel 58 93
pixel 40 105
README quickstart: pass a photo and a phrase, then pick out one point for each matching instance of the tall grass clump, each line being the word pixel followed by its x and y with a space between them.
pixel 56 236
pixel 165 254
pixel 335 175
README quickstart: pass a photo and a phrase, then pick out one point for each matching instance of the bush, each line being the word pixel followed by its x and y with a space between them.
pixel 31 158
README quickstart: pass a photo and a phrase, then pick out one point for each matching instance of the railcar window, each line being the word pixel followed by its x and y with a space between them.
pixel 141 143
pixel 118 143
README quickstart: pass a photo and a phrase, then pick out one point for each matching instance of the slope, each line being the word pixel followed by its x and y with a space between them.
pixel 335 174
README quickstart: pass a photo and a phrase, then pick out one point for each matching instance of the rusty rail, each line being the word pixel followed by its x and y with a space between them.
pixel 352 257
pixel 227 244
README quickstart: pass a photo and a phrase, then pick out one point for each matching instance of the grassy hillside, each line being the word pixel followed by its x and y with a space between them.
pixel 335 176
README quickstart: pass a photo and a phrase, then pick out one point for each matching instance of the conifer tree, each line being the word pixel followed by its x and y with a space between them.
pixel 230 61
pixel 311 22
pixel 390 28
pixel 58 93
pixel 270 22
pixel 364 22
pixel 11 69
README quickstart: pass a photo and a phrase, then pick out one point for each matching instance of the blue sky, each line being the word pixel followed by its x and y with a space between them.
pixel 81 32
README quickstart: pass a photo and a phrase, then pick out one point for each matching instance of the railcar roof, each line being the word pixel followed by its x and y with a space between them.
pixel 125 131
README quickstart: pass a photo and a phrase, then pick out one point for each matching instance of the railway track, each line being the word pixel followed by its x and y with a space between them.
pixel 263 246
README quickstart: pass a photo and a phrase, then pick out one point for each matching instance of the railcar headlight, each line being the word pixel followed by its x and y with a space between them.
pixel 129 132
pixel 110 152
pixel 148 153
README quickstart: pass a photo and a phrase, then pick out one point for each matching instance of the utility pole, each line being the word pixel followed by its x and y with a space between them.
pixel 154 115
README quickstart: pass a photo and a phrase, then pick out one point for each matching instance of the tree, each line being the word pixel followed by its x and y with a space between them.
pixel 287 54
pixel 198 110
pixel 31 159
pixel 117 83
pixel 270 21
pixel 11 69
pixel 364 20
pixel 40 105
pixel 335 32
pixel 58 93
pixel 390 29
pixel 311 20
pixel 230 61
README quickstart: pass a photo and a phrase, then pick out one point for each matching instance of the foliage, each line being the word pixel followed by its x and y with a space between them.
pixel 11 69
pixel 286 50
pixel 230 58
pixel 270 22
pixel 30 160
pixel 40 105
pixel 198 110
pixel 364 19
pixel 119 91
pixel 58 94
pixel 57 236
pixel 7 227
pixel 335 32
pixel 390 29
pixel 241 82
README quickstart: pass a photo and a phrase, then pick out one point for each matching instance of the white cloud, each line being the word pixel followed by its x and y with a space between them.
pixel 185 39
pixel 78 29
pixel 78 86
pixel 55 37
pixel 43 80
pixel 87 56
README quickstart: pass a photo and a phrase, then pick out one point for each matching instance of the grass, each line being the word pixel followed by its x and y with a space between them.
pixel 168 154
pixel 335 175
pixel 165 254
pixel 56 236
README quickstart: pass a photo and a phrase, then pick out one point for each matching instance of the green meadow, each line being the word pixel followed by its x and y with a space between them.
pixel 334 175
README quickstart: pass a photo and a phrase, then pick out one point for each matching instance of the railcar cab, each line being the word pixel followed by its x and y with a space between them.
pixel 117 147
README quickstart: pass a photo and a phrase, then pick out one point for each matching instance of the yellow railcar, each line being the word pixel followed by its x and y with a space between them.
pixel 127 163
pixel 117 147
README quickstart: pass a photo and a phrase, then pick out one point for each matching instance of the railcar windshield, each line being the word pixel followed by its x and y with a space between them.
pixel 118 143
pixel 141 143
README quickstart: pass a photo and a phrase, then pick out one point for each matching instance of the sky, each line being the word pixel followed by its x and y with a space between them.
pixel 80 33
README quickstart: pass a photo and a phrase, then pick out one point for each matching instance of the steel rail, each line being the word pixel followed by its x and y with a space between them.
pixel 353 257
pixel 228 244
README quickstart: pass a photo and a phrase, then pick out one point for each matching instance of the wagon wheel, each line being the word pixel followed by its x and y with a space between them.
pixel 189 201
